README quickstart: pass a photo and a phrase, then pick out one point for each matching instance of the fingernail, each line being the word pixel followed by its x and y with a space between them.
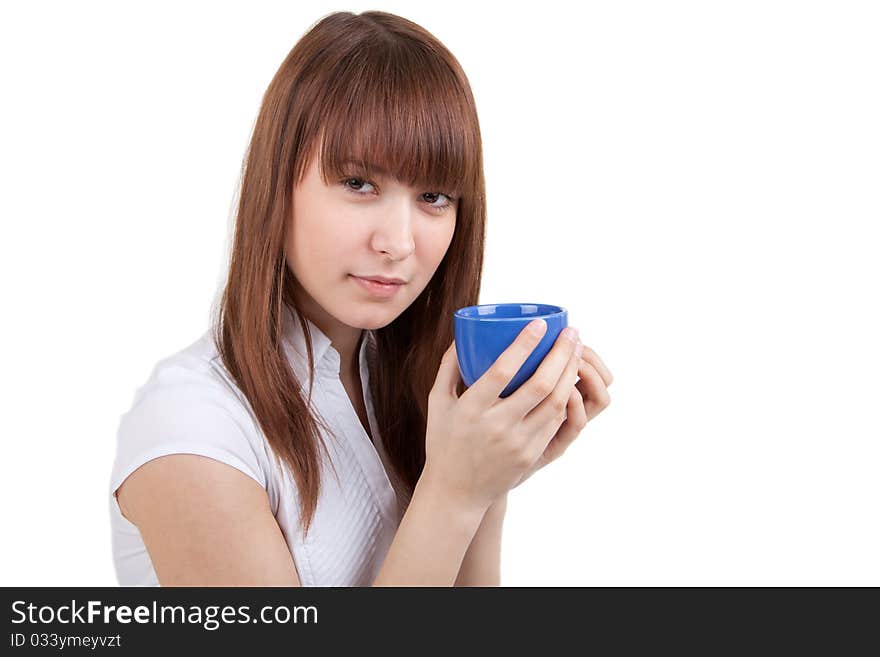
pixel 537 327
pixel 570 333
pixel 579 349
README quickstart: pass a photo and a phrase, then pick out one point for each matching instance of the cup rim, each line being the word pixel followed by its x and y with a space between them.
pixel 527 318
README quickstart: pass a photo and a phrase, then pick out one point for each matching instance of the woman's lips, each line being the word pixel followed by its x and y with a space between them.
pixel 376 289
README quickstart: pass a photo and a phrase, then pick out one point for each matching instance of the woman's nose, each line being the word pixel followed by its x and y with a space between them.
pixel 394 233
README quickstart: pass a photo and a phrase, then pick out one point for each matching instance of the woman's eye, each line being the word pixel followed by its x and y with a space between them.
pixel 433 197
pixel 355 185
pixel 435 200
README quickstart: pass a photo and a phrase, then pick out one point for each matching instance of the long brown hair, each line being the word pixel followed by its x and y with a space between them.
pixel 372 88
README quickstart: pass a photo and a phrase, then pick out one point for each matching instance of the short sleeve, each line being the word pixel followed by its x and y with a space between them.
pixel 184 410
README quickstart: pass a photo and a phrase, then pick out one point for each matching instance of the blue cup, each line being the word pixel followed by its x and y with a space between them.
pixel 483 332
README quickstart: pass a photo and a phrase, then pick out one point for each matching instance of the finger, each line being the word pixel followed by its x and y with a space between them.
pixel 448 375
pixel 486 390
pixel 545 419
pixel 542 384
pixel 593 359
pixel 574 423
pixel 592 389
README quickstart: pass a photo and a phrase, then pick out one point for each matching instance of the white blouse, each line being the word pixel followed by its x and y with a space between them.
pixel 191 405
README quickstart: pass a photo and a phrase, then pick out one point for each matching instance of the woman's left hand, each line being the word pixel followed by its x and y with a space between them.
pixel 589 398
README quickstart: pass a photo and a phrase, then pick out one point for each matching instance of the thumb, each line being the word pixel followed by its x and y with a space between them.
pixel 448 374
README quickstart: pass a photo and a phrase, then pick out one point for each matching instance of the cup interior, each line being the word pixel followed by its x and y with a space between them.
pixel 501 311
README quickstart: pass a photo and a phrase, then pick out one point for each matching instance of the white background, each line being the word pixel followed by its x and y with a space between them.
pixel 697 182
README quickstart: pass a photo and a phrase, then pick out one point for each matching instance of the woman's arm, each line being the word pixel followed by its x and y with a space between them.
pixel 482 563
pixel 432 539
pixel 205 523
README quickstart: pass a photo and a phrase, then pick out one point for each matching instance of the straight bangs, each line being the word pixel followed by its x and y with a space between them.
pixel 402 112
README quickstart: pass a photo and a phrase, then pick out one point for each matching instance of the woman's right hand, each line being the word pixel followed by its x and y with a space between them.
pixel 478 445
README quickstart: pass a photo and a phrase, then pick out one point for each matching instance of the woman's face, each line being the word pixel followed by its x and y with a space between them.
pixel 358 227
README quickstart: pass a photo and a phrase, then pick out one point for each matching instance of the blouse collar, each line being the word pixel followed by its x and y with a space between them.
pixel 327 359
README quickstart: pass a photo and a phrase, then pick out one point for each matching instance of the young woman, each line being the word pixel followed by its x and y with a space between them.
pixel 320 434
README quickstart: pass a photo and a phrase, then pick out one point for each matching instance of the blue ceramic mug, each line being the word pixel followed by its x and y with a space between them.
pixel 483 332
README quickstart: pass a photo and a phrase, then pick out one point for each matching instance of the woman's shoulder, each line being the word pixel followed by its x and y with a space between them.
pixel 189 404
pixel 196 371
